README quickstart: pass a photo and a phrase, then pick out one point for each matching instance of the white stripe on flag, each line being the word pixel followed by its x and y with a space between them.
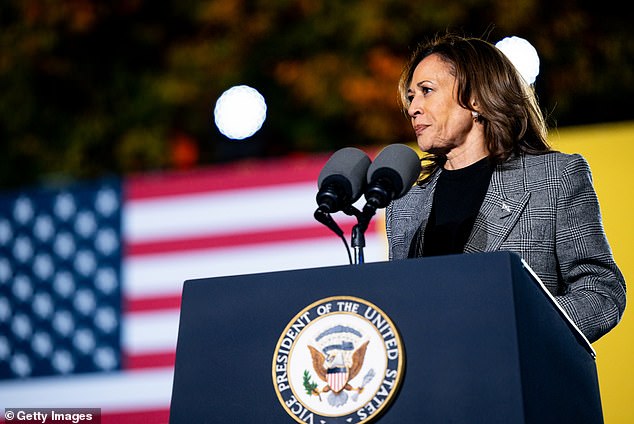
pixel 143 390
pixel 231 211
pixel 149 332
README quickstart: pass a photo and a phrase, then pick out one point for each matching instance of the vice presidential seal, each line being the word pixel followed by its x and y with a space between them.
pixel 340 360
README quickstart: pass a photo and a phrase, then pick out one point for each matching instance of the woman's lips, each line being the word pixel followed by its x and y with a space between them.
pixel 420 128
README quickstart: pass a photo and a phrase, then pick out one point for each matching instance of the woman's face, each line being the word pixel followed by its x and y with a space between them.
pixel 441 125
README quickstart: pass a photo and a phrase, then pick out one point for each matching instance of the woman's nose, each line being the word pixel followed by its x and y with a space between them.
pixel 413 110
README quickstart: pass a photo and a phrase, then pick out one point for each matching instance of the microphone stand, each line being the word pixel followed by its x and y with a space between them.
pixel 376 197
pixel 358 243
pixel 358 231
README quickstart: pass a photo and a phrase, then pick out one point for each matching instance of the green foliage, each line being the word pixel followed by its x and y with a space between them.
pixel 91 87
pixel 309 386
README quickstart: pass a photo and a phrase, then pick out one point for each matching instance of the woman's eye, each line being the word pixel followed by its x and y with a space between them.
pixel 426 90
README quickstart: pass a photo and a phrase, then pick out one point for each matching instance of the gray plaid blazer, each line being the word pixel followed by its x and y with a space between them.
pixel 544 208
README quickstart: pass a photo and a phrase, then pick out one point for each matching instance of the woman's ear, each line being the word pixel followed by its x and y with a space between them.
pixel 475 112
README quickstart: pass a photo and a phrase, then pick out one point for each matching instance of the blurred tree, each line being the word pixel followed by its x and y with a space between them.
pixel 90 87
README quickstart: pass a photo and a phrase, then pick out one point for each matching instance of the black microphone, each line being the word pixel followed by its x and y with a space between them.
pixel 391 175
pixel 342 179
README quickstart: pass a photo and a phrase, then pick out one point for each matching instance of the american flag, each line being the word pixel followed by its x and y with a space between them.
pixel 91 274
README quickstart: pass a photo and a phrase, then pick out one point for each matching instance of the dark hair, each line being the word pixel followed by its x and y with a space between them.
pixel 507 105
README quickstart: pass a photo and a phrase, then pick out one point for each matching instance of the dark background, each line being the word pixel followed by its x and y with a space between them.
pixel 93 87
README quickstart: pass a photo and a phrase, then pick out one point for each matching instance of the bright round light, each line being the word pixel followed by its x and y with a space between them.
pixel 240 112
pixel 523 55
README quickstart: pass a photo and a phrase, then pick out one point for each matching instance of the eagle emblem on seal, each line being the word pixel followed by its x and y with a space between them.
pixel 337 359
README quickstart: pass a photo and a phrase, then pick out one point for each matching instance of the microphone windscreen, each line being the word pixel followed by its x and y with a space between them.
pixel 347 166
pixel 398 163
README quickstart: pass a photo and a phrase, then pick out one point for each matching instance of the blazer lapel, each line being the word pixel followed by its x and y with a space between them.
pixel 501 208
pixel 414 215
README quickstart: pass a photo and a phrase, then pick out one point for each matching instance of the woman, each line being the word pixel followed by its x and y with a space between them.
pixel 493 183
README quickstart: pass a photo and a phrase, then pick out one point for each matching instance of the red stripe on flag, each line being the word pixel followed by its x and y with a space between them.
pixel 157 416
pixel 154 416
pixel 226 177
pixel 149 360
pixel 228 240
pixel 152 303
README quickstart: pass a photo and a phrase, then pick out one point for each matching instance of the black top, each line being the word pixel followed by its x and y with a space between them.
pixel 457 199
